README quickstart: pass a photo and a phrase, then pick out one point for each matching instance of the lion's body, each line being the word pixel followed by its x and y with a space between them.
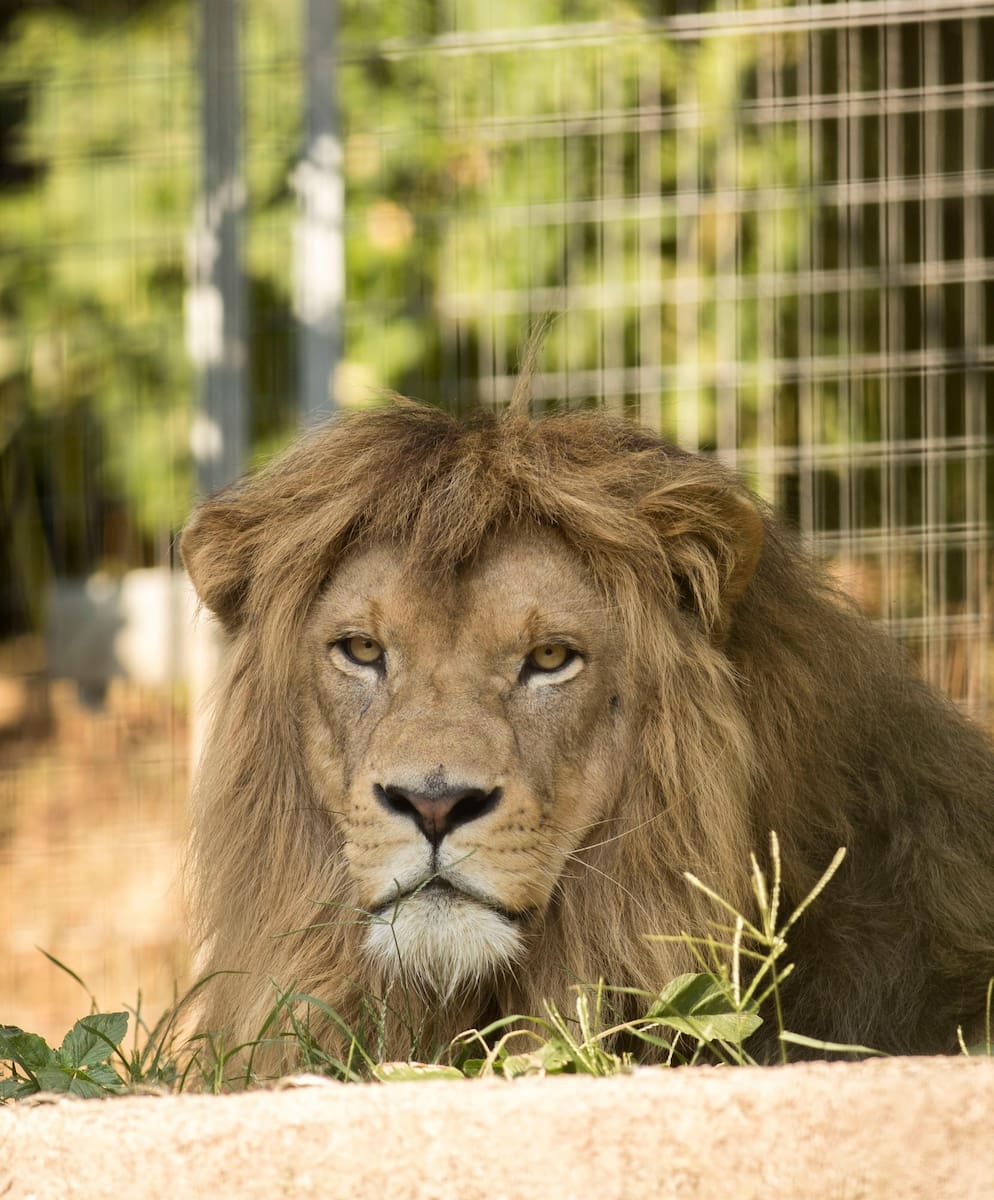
pixel 401 798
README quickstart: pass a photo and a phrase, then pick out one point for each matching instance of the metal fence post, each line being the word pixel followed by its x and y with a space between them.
pixel 319 234
pixel 215 305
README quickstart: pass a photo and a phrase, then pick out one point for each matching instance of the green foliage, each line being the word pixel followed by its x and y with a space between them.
pixel 746 958
pixel 445 155
pixel 700 1007
pixel 79 1067
pixel 488 178
pixel 91 266
pixel 705 1016
pixel 92 1059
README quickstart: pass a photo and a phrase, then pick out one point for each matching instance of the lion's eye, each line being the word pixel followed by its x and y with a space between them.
pixel 362 650
pixel 550 656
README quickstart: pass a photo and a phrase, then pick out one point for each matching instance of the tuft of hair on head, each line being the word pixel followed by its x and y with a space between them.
pixel 521 397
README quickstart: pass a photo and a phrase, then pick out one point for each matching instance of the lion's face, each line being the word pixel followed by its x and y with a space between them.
pixel 467 737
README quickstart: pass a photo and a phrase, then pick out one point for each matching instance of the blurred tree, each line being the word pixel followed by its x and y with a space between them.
pixel 93 381
pixel 444 154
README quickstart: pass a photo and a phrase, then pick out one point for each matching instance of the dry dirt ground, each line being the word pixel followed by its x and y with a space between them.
pixel 92 812
pixel 900 1129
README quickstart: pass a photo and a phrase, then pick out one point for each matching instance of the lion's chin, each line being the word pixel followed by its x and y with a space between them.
pixel 443 943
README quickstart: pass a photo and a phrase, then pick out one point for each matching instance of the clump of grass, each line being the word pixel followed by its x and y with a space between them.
pixel 93 1059
pixel 708 1015
pixel 980 1049
pixel 745 968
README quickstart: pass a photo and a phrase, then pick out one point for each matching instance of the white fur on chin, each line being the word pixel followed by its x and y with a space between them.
pixel 442 944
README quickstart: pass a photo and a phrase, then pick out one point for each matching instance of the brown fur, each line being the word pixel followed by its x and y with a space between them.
pixel 767 703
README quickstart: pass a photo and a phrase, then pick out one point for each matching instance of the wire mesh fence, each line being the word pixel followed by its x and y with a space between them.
pixel 769 233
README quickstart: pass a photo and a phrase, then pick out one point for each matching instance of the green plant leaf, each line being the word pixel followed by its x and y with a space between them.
pixel 732 1027
pixel 85 1088
pixel 28 1050
pixel 54 1079
pixel 798 1039
pixel 703 1007
pixel 408 1072
pixel 686 994
pixel 106 1076
pixel 551 1058
pixel 97 1080
pixel 93 1039
pixel 472 1068
pixel 14 1089
pixel 70 972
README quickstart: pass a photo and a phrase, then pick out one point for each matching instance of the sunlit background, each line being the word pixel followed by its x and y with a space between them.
pixel 770 232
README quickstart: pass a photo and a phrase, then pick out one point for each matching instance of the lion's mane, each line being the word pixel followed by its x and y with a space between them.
pixel 781 709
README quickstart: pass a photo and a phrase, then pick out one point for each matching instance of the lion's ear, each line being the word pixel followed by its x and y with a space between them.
pixel 713 535
pixel 218 547
pixel 744 527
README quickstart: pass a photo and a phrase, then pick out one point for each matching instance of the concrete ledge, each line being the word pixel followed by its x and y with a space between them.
pixel 904 1128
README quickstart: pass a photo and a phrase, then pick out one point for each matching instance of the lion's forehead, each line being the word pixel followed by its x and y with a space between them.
pixel 526 586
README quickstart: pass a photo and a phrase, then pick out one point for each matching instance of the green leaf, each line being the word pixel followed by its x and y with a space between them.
pixel 89 1082
pixel 733 1027
pixel 13 1088
pixel 408 1072
pixel 702 1007
pixel 93 1039
pixel 551 1058
pixel 473 1067
pixel 106 1076
pixel 798 1039
pixel 85 1088
pixel 53 1079
pixel 69 971
pixel 28 1050
pixel 691 994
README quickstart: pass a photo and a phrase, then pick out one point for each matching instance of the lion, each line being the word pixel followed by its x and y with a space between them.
pixel 495 685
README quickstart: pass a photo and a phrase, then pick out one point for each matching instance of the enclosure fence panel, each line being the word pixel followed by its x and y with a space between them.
pixel 767 233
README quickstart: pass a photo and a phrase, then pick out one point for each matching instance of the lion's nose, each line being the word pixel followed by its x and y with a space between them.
pixel 438 812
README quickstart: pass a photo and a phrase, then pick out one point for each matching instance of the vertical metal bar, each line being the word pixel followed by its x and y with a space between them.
pixel 650 260
pixel 978 551
pixel 612 266
pixel 769 226
pixel 687 283
pixel 853 387
pixel 843 83
pixel 933 377
pixel 215 303
pixel 809 156
pixel 558 355
pixel 727 264
pixel 319 234
pixel 894 384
